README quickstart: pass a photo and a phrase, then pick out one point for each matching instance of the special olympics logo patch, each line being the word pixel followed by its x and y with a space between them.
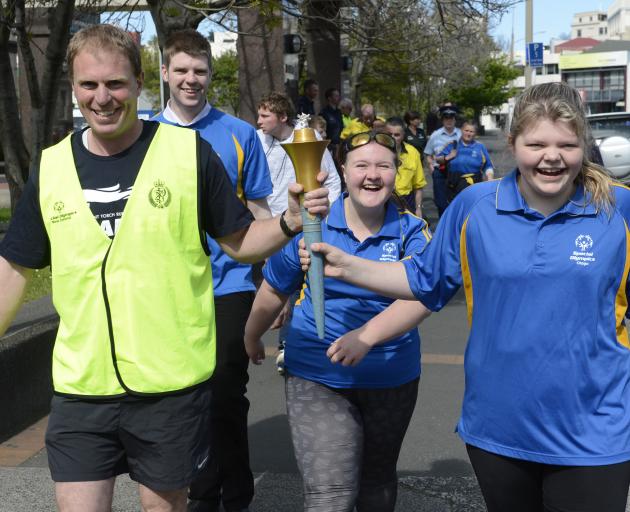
pixel 584 242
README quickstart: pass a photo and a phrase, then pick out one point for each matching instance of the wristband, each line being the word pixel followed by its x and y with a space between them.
pixel 285 228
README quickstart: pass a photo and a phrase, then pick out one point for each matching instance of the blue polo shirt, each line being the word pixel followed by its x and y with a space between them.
pixel 548 357
pixel 239 149
pixel 349 307
pixel 471 158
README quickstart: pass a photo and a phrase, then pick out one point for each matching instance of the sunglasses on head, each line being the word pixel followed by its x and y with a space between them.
pixel 361 139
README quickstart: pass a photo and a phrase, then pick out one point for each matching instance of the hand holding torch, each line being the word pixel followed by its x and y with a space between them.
pixel 306 153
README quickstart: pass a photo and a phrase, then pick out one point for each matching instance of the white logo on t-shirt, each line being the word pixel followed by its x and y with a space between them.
pixel 106 195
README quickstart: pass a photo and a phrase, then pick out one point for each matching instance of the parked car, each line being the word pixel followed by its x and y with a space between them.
pixel 612 136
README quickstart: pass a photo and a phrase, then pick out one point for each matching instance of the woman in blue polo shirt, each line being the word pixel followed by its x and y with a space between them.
pixel 543 255
pixel 349 400
pixel 467 162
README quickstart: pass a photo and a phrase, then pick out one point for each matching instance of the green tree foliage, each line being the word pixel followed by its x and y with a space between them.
pixel 488 85
pixel 223 90
pixel 151 67
pixel 387 84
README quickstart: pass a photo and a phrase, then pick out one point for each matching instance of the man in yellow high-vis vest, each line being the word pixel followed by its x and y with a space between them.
pixel 120 211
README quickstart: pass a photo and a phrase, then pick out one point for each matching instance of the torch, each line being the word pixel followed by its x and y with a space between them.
pixel 306 153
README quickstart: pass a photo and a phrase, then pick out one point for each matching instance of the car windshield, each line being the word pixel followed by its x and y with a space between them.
pixel 607 127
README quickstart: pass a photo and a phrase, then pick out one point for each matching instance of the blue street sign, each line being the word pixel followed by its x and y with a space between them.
pixel 534 55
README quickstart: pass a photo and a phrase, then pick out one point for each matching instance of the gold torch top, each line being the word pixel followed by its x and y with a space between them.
pixel 306 153
pixel 302 132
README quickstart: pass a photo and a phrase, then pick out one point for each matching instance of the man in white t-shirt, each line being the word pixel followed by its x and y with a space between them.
pixel 274 114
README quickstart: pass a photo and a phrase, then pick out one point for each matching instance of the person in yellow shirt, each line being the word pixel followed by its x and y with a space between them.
pixel 365 123
pixel 410 178
pixel 346 107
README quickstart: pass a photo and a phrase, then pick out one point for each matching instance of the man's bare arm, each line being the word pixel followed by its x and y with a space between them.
pixel 13 279
pixel 259 208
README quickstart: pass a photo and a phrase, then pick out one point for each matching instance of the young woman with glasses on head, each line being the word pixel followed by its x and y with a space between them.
pixel 349 397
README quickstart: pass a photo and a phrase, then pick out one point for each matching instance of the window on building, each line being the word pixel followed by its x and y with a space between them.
pixel 590 18
pixel 580 20
pixel 551 69
pixel 579 33
pixel 601 31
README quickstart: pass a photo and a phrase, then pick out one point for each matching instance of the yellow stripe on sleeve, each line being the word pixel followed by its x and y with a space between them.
pixel 240 156
pixel 466 271
pixel 621 301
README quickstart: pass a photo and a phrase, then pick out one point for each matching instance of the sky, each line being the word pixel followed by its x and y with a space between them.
pixel 143 21
pixel 551 19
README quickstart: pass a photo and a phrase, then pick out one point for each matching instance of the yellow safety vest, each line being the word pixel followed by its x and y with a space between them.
pixel 137 312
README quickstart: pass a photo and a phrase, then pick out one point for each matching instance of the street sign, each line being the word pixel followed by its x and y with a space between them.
pixel 534 55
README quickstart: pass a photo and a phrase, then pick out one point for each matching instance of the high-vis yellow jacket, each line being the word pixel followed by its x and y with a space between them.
pixel 137 312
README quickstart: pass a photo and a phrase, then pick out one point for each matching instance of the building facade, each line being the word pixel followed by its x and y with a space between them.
pixel 593 24
pixel 619 20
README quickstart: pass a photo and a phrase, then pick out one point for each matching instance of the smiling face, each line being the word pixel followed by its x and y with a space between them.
pixel 370 174
pixel 549 157
pixel 188 79
pixel 107 94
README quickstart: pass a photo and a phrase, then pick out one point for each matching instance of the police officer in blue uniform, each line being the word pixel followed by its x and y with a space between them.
pixel 437 142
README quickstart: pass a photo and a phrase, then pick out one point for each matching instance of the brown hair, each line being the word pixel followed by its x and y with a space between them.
pixel 187 41
pixel 277 103
pixel 105 37
pixel 561 102
pixel 316 121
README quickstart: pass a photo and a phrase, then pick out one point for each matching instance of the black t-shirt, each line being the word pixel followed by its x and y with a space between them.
pixel 305 106
pixel 418 141
pixel 107 182
pixel 334 123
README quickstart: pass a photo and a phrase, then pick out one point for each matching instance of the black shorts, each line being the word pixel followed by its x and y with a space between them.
pixel 163 443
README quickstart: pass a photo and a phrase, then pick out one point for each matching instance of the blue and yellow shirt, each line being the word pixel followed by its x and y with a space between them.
pixel 239 149
pixel 349 307
pixel 548 357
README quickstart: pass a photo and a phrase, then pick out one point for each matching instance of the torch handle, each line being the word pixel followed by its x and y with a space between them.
pixel 312 229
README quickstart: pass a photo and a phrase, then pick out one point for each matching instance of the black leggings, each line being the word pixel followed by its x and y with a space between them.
pixel 516 485
pixel 347 443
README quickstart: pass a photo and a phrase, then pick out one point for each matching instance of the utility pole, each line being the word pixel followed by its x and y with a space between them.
pixel 529 38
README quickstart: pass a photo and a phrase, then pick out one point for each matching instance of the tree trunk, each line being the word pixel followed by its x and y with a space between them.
pixel 16 155
pixel 60 21
pixel 323 46
pixel 261 61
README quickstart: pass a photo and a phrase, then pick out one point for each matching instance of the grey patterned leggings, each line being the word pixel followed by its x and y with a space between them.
pixel 347 443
